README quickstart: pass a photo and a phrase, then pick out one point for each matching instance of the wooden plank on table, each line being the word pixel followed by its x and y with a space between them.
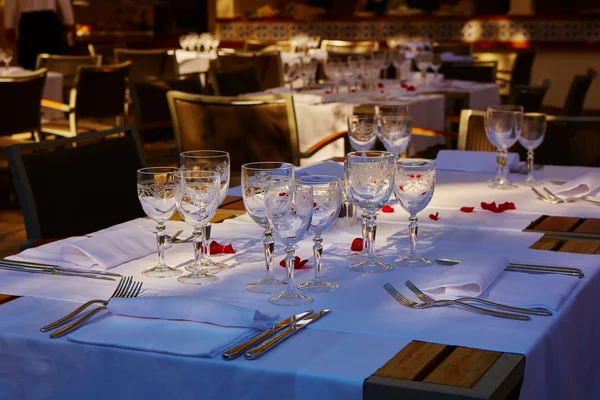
pixel 5 298
pixel 414 362
pixel 557 224
pixel 236 205
pixel 230 199
pixel 580 246
pixel 591 226
pixel 464 367
pixel 547 243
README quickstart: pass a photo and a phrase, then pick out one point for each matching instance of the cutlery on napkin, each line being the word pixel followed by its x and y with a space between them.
pixel 472 161
pixel 579 187
pixel 187 326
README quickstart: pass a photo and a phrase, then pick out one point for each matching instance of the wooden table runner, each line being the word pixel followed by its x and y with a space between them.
pixel 567 234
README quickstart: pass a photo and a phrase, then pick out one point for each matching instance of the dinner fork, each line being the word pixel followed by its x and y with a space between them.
pixel 424 297
pixel 120 291
pixel 418 306
pixel 133 291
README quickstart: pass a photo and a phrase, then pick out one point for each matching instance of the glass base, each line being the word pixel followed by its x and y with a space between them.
pixel 362 254
pixel 198 278
pixel 266 286
pixel 413 262
pixel 209 265
pixel 317 286
pixel 503 185
pixel 290 299
pixel 531 183
pixel 370 267
pixel 161 271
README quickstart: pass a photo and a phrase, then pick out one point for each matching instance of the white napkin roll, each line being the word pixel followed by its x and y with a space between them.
pixel 579 187
pixel 472 161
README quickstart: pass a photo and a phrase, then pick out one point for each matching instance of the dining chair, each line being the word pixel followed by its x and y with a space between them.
pixel 106 51
pixel 67 66
pixel 159 63
pixel 578 90
pixel 530 97
pixel 268 65
pixel 99 93
pixel 267 45
pixel 471 132
pixel 478 71
pixel 570 141
pixel 520 74
pixel 235 80
pixel 75 186
pixel 349 47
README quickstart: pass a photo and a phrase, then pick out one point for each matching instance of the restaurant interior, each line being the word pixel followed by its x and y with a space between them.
pixel 416 182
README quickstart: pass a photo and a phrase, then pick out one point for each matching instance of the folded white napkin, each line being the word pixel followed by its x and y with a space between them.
pixel 187 326
pixel 579 187
pixel 102 251
pixel 325 168
pixel 472 161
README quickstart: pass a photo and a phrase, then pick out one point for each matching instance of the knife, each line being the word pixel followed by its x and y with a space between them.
pixel 526 268
pixel 51 271
pixel 57 269
pixel 236 351
pixel 268 344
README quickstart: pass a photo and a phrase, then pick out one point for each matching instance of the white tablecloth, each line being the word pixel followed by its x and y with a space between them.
pixel 53 90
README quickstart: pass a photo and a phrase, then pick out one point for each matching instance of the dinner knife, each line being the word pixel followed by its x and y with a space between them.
pixel 268 344
pixel 58 269
pixel 51 271
pixel 546 269
pixel 238 350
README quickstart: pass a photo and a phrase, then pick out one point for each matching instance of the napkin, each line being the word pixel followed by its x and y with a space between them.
pixel 187 326
pixel 579 187
pixel 100 252
pixel 472 161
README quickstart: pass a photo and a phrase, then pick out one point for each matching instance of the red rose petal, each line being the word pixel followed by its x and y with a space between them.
pixel 217 248
pixel 403 85
pixel 508 205
pixel 467 209
pixel 489 206
pixel 380 85
pixel 328 92
pixel 282 194
pixel 298 263
pixel 357 245
pixel 411 89
pixel 382 91
pixel 435 216
pixel 353 90
pixel 387 209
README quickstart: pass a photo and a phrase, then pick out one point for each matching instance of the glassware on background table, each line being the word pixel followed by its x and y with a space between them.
pixel 327 199
pixel 209 160
pixel 392 111
pixel 415 183
pixel 291 71
pixel 334 72
pixel 532 135
pixel 362 131
pixel 423 61
pixel 156 191
pixel 197 196
pixel 435 65
pixel 395 133
pixel 503 126
pixel 289 209
pixel 256 179
pixel 7 56
pixel 370 180
pixel 351 71
pixel 398 59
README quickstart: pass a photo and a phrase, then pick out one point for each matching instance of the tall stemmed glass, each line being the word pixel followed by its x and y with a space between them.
pixel 503 126
pixel 532 135
pixel 156 191
pixel 7 56
pixel 209 160
pixel 256 179
pixel 415 182
pixel 327 196
pixel 395 133
pixel 289 209
pixel 370 178
pixel 392 111
pixel 197 197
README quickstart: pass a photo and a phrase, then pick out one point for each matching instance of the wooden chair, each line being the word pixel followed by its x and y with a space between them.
pixel 348 47
pixel 98 93
pixel 577 92
pixel 268 65
pixel 478 71
pixel 521 70
pixel 530 97
pixel 259 128
pixel 160 63
pixel 234 81
pixel 106 51
pixel 70 187
pixel 471 132
pixel 67 66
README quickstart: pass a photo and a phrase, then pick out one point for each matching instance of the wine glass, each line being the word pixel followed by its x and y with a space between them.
pixel 333 71
pixel 415 182
pixel 289 210
pixel 503 126
pixel 370 178
pixel 532 135
pixel 398 58
pixel 156 191
pixel 423 61
pixel 436 64
pixel 256 179
pixel 362 131
pixel 7 58
pixel 197 197
pixel 291 71
pixel 395 132
pixel 327 197
pixel 209 160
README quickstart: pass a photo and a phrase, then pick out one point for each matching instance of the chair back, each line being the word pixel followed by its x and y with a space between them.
pixel 268 65
pixel 234 81
pixel 578 91
pixel 21 110
pixel 530 97
pixel 67 66
pixel 151 109
pixel 349 47
pixel 479 71
pixel 267 45
pixel 67 188
pixel 471 132
pixel 100 92
pixel 160 63
pixel 570 141
pixel 249 128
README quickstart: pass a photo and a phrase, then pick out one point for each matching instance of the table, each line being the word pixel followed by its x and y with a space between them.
pixel 53 90
pixel 382 336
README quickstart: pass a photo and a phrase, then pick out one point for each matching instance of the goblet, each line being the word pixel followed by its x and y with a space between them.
pixel 532 135
pixel 256 179
pixel 362 131
pixel 395 133
pixel 327 196
pixel 415 182
pixel 289 210
pixel 156 187
pixel 503 126
pixel 209 160
pixel 197 197
pixel 370 178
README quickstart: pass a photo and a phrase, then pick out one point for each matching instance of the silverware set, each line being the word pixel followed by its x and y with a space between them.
pixel 553 199
pixel 265 341
pixel 531 268
pixel 37 268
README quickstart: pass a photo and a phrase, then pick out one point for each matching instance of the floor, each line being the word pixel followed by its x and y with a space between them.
pixel 12 232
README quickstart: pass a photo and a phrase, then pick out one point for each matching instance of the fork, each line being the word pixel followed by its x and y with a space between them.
pixel 418 306
pixel 132 291
pixel 120 291
pixel 424 297
pixel 555 199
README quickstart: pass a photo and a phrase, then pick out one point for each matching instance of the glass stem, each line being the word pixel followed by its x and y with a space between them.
pixel 206 235
pixel 412 233
pixel 363 231
pixel 199 249
pixel 269 246
pixel 289 267
pixel 503 162
pixel 530 165
pixel 318 254
pixel 498 164
pixel 160 241
pixel 371 232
